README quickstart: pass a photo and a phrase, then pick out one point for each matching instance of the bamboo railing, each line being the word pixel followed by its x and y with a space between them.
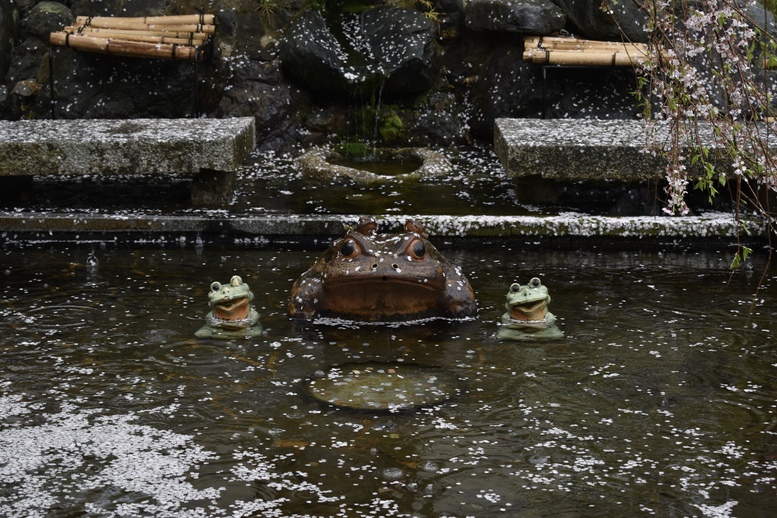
pixel 546 50
pixel 161 37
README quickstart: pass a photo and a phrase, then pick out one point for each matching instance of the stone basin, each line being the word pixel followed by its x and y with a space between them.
pixel 317 165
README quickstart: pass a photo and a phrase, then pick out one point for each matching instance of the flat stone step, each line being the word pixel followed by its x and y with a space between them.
pixel 575 149
pixel 209 150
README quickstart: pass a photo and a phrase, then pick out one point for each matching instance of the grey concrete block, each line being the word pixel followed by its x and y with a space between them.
pixel 576 149
pixel 131 147
pixel 134 146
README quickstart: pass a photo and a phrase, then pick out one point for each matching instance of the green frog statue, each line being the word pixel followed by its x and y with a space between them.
pixel 527 316
pixel 231 315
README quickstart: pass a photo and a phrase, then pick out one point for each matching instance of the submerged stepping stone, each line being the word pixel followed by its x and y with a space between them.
pixel 384 386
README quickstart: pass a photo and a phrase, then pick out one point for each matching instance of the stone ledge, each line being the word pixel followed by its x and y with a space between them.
pixel 291 227
pixel 581 149
pixel 129 147
pixel 575 149
pixel 210 150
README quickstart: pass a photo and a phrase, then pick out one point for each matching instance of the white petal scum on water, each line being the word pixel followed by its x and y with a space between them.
pixel 123 455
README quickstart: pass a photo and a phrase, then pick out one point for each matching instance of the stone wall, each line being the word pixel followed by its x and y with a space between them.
pixel 390 72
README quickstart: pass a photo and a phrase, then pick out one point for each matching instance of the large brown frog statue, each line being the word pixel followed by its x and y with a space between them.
pixel 527 315
pixel 231 315
pixel 371 277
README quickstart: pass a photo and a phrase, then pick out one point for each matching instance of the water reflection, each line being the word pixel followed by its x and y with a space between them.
pixel 658 400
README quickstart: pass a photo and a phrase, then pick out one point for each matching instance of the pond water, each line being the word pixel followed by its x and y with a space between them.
pixel 270 184
pixel 659 400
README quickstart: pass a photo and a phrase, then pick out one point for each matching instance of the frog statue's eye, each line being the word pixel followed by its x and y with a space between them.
pixel 515 287
pixel 535 282
pixel 215 286
pixel 417 249
pixel 349 249
pixel 236 280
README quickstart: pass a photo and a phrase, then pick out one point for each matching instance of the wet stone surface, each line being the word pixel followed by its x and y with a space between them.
pixel 581 149
pixel 123 147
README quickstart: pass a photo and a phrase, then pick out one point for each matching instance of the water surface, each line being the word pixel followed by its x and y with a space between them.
pixel 660 399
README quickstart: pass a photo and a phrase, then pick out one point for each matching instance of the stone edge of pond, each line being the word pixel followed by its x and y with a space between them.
pixel 36 227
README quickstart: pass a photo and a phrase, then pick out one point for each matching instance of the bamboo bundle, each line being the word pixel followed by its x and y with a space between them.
pixel 114 22
pixel 196 37
pixel 574 51
pixel 162 37
pixel 127 48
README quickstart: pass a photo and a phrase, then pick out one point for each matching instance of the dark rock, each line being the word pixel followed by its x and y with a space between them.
pixel 27 88
pixel 402 43
pixel 45 18
pixel 524 16
pixel 311 55
pixel 29 57
pixel 8 29
pixel 266 97
pixel 450 18
pixel 506 87
pixel 389 46
pixel 591 93
pixel 624 20
pixel 29 53
pixel 26 58
pixel 439 121
pixel 118 7
pixel 100 86
pixel 450 6
pixel 329 119
pixel 24 6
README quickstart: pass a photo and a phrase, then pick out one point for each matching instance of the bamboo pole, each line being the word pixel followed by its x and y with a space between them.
pixel 579 44
pixel 135 26
pixel 199 36
pixel 195 19
pixel 182 38
pixel 63 39
pixel 586 58
pixel 127 48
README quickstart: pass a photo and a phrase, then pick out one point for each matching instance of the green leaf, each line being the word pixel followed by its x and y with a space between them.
pixel 736 262
pixel 740 258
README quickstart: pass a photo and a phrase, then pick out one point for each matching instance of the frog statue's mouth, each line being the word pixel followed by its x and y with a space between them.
pixel 531 310
pixel 232 309
pixel 380 296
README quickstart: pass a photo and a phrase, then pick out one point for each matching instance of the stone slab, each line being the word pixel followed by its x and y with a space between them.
pixel 126 147
pixel 20 226
pixel 579 149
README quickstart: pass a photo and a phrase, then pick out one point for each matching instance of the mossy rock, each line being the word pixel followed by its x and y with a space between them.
pixel 354 149
pixel 391 127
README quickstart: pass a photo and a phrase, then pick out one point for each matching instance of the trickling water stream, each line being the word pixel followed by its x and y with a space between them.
pixel 659 400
